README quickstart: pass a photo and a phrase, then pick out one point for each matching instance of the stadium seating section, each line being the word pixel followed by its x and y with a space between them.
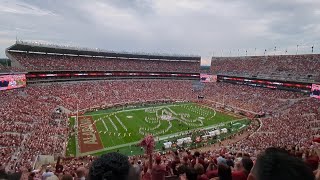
pixel 39 62
pixel 289 66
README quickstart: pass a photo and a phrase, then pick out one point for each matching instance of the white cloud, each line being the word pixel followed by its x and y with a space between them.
pixel 18 7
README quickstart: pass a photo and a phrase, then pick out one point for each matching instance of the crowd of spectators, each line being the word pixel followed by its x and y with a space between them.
pixel 218 164
pixel 15 127
pixel 29 111
pixel 13 140
pixel 292 129
pixel 258 100
pixel 285 65
pixel 40 62
pixel 8 69
pixel 291 121
pixel 29 128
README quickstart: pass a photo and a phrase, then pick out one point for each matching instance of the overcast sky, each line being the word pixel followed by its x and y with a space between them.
pixel 198 27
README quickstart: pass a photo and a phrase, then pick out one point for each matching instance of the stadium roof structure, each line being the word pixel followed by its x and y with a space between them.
pixel 23 46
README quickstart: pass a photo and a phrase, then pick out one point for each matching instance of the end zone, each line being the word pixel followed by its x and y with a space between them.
pixel 89 139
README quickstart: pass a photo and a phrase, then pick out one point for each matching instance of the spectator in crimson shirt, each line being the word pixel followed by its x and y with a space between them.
pixel 174 164
pixel 158 170
pixel 245 168
pixel 200 172
pixel 200 159
pixel 212 173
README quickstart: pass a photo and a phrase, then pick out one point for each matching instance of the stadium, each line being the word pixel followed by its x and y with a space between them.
pixel 70 103
pixel 70 112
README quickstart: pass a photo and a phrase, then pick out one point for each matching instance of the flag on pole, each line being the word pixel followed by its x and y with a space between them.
pixel 312 49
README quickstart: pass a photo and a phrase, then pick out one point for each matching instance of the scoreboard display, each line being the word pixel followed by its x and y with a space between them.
pixel 315 91
pixel 12 81
pixel 205 78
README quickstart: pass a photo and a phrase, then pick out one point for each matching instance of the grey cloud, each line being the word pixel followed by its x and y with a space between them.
pixel 139 25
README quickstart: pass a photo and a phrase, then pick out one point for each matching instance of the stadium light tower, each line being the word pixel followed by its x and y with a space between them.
pixel 297 49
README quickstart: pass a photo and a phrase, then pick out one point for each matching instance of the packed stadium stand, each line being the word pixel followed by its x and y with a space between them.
pixel 61 59
pixel 31 125
pixel 288 67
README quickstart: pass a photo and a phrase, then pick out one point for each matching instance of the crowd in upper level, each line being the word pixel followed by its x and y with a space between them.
pixel 45 62
pixel 285 65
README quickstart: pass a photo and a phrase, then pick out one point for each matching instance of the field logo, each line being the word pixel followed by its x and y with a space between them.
pixel 158 114
pixel 166 117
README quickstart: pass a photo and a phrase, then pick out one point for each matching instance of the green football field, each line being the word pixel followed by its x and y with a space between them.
pixel 120 129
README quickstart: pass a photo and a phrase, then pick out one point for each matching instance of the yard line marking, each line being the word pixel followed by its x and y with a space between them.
pixel 115 127
pixel 120 122
pixel 105 126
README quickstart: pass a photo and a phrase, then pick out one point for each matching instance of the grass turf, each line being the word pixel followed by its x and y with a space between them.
pixel 119 126
pixel 71 146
